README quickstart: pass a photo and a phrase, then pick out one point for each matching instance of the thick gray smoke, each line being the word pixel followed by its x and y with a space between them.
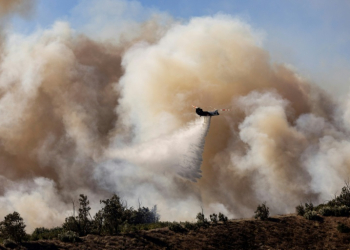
pixel 93 116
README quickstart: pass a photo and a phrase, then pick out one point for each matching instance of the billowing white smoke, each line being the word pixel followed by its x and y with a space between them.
pixel 284 159
pixel 37 202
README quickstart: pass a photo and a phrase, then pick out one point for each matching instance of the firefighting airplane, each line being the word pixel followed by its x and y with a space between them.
pixel 200 111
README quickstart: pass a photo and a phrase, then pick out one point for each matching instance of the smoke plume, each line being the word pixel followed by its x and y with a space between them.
pixel 93 116
pixel 21 7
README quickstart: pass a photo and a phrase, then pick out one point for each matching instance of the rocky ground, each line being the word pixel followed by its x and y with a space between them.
pixel 279 232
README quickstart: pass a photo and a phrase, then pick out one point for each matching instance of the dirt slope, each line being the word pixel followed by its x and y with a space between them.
pixel 280 232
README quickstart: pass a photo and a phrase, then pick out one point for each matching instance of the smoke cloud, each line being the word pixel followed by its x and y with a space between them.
pixel 101 116
pixel 21 7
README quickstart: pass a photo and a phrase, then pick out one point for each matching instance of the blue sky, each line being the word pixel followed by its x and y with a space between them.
pixel 312 35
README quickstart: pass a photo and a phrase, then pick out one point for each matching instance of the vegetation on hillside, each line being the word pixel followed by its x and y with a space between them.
pixel 115 217
pixel 339 206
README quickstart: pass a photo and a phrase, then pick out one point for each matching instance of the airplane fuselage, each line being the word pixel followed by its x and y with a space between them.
pixel 200 112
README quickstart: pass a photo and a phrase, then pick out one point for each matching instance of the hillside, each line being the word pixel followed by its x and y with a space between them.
pixel 279 232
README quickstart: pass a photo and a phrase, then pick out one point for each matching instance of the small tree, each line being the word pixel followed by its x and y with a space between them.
pixel 300 210
pixel 84 214
pixel 262 212
pixel 222 218
pixel 13 227
pixel 177 228
pixel 97 223
pixel 344 197
pixel 201 220
pixel 214 218
pixel 112 214
pixel 80 224
pixel 71 224
pixel 144 215
pixel 154 214
pixel 311 215
pixel 309 207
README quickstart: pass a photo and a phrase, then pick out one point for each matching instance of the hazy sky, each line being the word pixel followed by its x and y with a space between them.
pixel 311 35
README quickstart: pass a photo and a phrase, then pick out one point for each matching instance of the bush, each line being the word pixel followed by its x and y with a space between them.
pixel 85 224
pixel 311 215
pixel 300 210
pixel 222 218
pixel 342 228
pixel 344 197
pixel 326 211
pixel 80 224
pixel 309 207
pixel 112 214
pixel 13 227
pixel 190 226
pixel 113 217
pixel 342 210
pixel 144 215
pixel 71 224
pixel 97 223
pixel 42 233
pixel 177 228
pixel 262 212
pixel 214 218
pixel 69 236
pixel 201 220
pixel 334 211
pixel 9 244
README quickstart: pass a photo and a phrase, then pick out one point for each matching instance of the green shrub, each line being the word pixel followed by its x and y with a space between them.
pixel 71 224
pixel 300 210
pixel 222 218
pixel 42 233
pixel 326 211
pixel 309 207
pixel 201 220
pixel 342 228
pixel 80 224
pixel 112 214
pixel 262 212
pixel 344 197
pixel 339 206
pixel 113 217
pixel 177 228
pixel 97 223
pixel 13 227
pixel 342 210
pixel 190 226
pixel 69 236
pixel 335 211
pixel 143 215
pixel 85 224
pixel 214 218
pixel 311 215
